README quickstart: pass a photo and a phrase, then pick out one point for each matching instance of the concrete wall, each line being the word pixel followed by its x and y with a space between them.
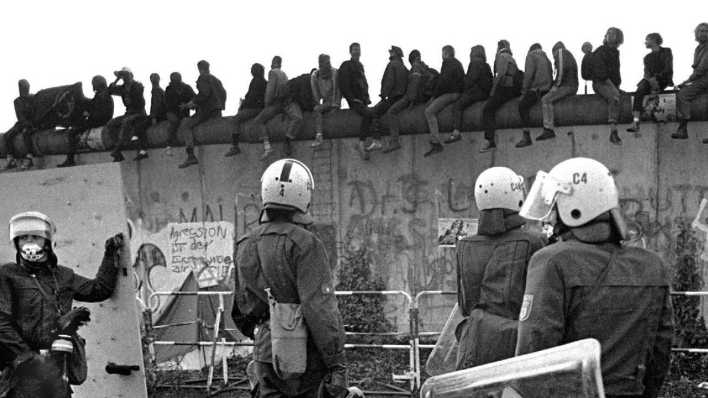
pixel 389 206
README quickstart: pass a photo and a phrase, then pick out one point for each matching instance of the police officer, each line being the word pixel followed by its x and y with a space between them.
pixel 491 270
pixel 282 255
pixel 36 296
pixel 590 286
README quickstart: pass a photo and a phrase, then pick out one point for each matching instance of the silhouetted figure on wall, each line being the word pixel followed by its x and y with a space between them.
pixel 355 89
pixel 24 105
pixel 565 85
pixel 177 95
pixel 538 79
pixel 326 94
pixel 696 84
pixel 606 77
pixel 123 127
pixel 448 89
pixel 250 107
pixel 478 84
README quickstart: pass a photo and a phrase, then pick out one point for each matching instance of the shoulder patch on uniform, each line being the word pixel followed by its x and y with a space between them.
pixel 526 307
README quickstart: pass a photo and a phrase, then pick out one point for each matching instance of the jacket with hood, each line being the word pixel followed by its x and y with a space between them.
pixel 351 80
pixel 324 88
pixel 606 65
pixel 292 261
pixel 538 72
pixel 577 287
pixel 255 96
pixel 451 79
pixel 491 276
pixel 277 87
pixel 479 74
pixel 28 318
pixel 395 79
pixel 566 68
pixel 177 94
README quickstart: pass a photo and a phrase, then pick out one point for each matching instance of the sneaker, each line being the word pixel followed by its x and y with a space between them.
pixel 614 138
pixel 634 128
pixel 191 160
pixel 318 141
pixel 11 164
pixel 392 146
pixel 488 146
pixel 374 146
pixel 435 147
pixel 547 134
pixel 67 163
pixel 235 150
pixel 141 155
pixel 525 140
pixel 454 137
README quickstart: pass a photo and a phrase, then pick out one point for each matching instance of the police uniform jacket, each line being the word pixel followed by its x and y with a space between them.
pixel 292 262
pixel 598 289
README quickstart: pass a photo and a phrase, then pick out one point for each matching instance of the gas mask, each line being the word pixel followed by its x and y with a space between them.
pixel 32 252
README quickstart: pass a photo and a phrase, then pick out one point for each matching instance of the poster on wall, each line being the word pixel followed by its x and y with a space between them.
pixel 450 230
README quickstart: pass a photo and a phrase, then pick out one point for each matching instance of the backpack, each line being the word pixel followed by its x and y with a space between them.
pixel 220 93
pixel 300 91
pixel 586 67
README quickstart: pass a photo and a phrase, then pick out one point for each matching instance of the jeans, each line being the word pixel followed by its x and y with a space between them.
pixel 501 96
pixel 318 113
pixel 687 94
pixel 123 127
pixel 556 94
pixel 607 90
pixel 465 100
pixel 291 110
pixel 380 110
pixel 243 115
pixel 393 116
pixel 643 89
pixel 9 136
pixel 366 115
pixel 528 100
pixel 186 127
pixel 432 110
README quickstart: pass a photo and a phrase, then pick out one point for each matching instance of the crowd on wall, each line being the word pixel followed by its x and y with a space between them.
pixel 321 92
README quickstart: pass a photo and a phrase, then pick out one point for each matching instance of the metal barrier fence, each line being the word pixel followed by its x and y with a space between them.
pixel 412 376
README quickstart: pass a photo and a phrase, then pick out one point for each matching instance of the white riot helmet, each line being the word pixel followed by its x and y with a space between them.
pixel 499 187
pixel 580 188
pixel 288 184
pixel 32 223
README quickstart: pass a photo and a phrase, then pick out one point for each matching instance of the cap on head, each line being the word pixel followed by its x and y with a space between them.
pixel 499 188
pixel 32 223
pixel 124 71
pixel 287 184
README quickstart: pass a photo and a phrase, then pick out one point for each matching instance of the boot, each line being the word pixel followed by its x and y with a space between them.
pixel 235 150
pixel 68 162
pixel 435 147
pixel 547 134
pixel 525 140
pixel 27 164
pixel 614 137
pixel 11 164
pixel 392 145
pixel 682 131
pixel 319 139
pixel 374 146
pixel 117 156
pixel 191 159
pixel 142 154
pixel 454 137
pixel 634 128
pixel 488 146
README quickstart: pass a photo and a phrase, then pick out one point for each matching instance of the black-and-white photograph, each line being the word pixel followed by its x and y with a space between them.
pixel 377 199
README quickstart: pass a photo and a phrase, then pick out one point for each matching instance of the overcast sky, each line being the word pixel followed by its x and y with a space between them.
pixel 52 43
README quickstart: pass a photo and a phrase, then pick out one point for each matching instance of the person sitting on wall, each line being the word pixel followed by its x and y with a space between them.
pixel 448 89
pixel 277 101
pixel 326 94
pixel 177 95
pixel 697 83
pixel 24 106
pixel 36 295
pixel 250 107
pixel 658 74
pixel 606 78
pixel 351 79
pixel 98 111
pixel 478 84
pixel 538 79
pixel 586 64
pixel 564 85
pixel 158 113
pixel 131 92
pixel 504 88
pixel 209 102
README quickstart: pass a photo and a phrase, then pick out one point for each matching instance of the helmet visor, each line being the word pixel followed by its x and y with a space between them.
pixel 543 196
